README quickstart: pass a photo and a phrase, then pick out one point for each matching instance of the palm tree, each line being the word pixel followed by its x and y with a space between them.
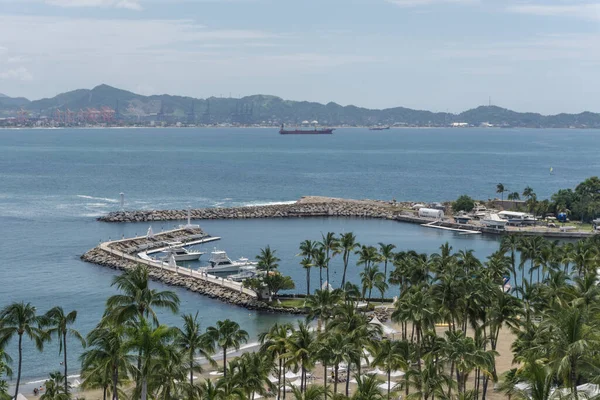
pixel 330 244
pixel 274 342
pixel 570 334
pixel 306 263
pixel 500 189
pixel 227 334
pixel 4 370
pixel 107 356
pixel 321 261
pixel 528 192
pixel 192 342
pixel 367 388
pixel 321 305
pixel 389 355
pixel 387 254
pixel 299 350
pixel 367 255
pixel 54 388
pixel 137 300
pixel 514 196
pixel 58 324
pixel 371 277
pixel 311 393
pixel 18 319
pixel 511 243
pixel 267 260
pixel 308 249
pixel 347 245
pixel 250 372
pixel 153 345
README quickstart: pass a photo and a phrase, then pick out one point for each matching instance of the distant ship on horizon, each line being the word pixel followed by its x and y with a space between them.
pixel 314 131
pixel 379 128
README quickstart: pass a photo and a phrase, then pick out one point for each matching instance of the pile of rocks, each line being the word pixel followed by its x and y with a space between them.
pixel 339 208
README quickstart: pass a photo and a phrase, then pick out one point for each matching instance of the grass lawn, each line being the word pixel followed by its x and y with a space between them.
pixel 291 303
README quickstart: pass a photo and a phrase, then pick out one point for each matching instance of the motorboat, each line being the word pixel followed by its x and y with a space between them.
pixel 220 262
pixel 181 253
pixel 494 221
pixel 245 273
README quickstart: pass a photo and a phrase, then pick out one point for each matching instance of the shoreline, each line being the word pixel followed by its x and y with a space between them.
pixel 319 206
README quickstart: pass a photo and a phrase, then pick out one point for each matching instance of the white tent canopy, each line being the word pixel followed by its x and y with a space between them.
pixel 291 375
pixel 384 386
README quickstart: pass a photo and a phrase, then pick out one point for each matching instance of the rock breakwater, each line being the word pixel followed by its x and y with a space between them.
pixel 120 255
pixel 315 207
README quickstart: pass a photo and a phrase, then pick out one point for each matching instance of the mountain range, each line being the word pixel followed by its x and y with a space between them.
pixel 265 109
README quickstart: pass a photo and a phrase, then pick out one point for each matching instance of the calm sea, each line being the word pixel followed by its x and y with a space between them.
pixel 53 183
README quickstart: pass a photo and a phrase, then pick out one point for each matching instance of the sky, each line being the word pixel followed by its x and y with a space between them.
pixel 440 55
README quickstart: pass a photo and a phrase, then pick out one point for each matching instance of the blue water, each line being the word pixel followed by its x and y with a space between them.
pixel 53 183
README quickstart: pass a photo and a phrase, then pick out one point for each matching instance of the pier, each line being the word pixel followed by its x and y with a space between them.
pixel 123 255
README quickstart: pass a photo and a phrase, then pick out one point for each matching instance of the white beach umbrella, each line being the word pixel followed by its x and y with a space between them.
pixel 296 383
pixel 396 374
pixel 273 379
pixel 291 375
pixel 384 386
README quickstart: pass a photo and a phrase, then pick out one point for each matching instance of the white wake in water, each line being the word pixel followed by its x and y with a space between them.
pixel 84 196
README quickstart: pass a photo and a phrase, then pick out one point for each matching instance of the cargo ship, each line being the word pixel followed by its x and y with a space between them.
pixel 314 131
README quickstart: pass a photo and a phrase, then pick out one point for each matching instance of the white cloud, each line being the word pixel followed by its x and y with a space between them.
pixel 128 4
pixel 589 11
pixel 17 74
pixel 418 3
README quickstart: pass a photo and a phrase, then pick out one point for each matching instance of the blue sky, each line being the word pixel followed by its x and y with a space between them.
pixel 453 55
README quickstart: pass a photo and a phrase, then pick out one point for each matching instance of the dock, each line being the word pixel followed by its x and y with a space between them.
pixel 447 228
pixel 125 253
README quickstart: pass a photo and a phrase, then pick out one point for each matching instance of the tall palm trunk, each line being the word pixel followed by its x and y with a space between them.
pixel 307 281
pixel 104 389
pixel 346 256
pixel 325 379
pixel 191 374
pixel 335 378
pixel 279 378
pixel 144 395
pixel 224 362
pixel 389 383
pixel 327 255
pixel 347 379
pixel 321 277
pixel 20 363
pixel 65 361
pixel 115 378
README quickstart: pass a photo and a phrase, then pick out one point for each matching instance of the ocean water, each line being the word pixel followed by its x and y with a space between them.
pixel 54 183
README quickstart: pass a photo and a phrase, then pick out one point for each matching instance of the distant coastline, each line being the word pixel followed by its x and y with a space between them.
pixel 105 106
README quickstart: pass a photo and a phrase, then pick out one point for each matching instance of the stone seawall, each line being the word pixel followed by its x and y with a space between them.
pixel 341 208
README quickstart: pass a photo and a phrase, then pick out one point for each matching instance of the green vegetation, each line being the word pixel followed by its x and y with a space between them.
pixel 582 203
pixel 552 310
pixel 463 203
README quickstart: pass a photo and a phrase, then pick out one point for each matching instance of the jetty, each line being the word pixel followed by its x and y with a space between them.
pixel 124 255
pixel 316 206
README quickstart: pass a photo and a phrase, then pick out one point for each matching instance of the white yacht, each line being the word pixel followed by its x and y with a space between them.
pixel 494 221
pixel 220 262
pixel 181 253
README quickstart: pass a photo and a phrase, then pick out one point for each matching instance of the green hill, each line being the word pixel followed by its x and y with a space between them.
pixel 261 109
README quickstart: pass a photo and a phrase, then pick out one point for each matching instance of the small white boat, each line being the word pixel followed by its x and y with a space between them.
pixel 245 273
pixel 220 262
pixel 181 253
